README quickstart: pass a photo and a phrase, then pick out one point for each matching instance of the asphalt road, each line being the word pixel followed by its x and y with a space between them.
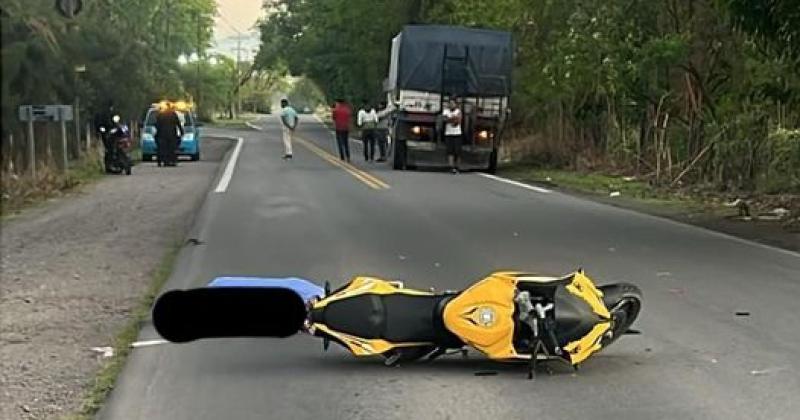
pixel 696 358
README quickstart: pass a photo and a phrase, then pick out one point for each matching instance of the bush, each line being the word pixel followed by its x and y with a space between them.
pixel 783 157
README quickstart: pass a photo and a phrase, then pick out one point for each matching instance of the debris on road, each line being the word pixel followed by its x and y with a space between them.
pixel 768 371
pixel 104 351
pixel 486 373
pixel 13 338
pixel 742 313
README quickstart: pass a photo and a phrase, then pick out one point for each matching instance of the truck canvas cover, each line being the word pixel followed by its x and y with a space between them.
pixel 429 58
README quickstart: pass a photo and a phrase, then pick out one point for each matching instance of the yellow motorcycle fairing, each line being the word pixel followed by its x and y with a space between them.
pixel 483 316
pixel 360 346
pixel 365 346
pixel 365 285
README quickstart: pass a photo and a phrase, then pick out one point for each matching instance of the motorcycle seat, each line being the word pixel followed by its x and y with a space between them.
pixel 397 318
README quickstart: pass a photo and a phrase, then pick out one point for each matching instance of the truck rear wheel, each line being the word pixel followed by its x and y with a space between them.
pixel 399 160
pixel 492 162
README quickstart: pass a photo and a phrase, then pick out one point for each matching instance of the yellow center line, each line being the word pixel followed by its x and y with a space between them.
pixel 365 177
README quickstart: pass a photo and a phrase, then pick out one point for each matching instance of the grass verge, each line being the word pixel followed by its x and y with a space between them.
pixel 602 185
pixel 105 379
pixel 22 192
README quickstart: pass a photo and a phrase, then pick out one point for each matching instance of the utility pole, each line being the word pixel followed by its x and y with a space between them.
pixel 238 73
pixel 198 85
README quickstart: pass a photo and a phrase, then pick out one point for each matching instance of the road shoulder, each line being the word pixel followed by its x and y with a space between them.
pixel 628 194
pixel 75 273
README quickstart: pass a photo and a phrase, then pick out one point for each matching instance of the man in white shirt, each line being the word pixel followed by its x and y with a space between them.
pixel 452 133
pixel 368 121
pixel 289 122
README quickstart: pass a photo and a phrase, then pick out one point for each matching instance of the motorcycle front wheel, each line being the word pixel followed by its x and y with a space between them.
pixel 624 301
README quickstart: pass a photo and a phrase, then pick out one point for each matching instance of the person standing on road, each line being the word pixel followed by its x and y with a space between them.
pixel 452 133
pixel 368 121
pixel 169 131
pixel 289 120
pixel 382 132
pixel 341 115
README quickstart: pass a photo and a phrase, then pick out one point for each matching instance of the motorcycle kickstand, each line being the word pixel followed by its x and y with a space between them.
pixel 537 348
pixel 392 360
pixel 438 352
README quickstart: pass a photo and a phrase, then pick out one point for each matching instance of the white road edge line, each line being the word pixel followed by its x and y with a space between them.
pixel 148 343
pixel 646 215
pixel 222 186
pixel 516 183
pixel 253 126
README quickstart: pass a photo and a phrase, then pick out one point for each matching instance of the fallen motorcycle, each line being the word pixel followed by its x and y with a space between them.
pixel 508 316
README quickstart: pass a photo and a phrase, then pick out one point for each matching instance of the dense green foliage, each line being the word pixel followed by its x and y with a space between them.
pixel 680 91
pixel 129 49
pixel 130 52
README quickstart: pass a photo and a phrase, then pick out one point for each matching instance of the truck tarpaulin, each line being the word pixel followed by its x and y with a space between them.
pixel 480 59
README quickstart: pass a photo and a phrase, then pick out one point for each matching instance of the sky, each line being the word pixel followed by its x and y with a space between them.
pixel 241 14
pixel 238 14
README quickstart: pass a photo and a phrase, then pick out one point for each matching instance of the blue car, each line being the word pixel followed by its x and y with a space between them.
pixel 190 143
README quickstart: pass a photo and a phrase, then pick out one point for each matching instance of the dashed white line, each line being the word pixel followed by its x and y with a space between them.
pixel 516 183
pixel 222 186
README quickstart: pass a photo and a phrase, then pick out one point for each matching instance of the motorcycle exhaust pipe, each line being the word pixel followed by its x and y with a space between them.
pixel 181 316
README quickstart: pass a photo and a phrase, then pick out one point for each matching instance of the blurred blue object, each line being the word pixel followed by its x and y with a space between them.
pixel 306 289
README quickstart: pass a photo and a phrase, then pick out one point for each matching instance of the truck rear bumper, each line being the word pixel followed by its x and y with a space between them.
pixel 430 154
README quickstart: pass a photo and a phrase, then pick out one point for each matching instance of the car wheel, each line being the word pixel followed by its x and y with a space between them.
pixel 196 156
pixel 146 158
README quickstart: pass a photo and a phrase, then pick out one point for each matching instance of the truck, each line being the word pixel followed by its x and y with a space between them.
pixel 429 64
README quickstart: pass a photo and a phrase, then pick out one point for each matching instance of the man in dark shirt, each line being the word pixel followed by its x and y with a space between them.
pixel 169 131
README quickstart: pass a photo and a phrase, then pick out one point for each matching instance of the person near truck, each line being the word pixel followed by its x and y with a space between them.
pixel 341 115
pixel 368 121
pixel 289 122
pixel 382 132
pixel 453 136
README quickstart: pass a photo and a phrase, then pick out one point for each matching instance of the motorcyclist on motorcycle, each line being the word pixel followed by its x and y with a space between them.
pixel 103 122
pixel 116 141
